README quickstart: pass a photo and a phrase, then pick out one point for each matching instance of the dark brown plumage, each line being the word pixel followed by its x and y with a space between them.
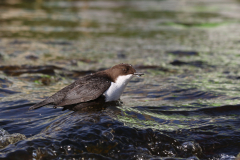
pixel 87 89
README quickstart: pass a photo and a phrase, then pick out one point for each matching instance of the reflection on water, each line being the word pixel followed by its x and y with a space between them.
pixel 185 106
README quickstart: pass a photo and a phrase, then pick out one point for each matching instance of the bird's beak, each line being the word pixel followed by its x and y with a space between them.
pixel 138 74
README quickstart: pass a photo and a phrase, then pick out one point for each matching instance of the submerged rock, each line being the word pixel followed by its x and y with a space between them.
pixel 183 53
pixel 192 63
pixel 6 138
pixel 95 135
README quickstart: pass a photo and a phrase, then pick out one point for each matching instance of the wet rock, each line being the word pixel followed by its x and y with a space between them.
pixel 163 145
pixel 48 69
pixel 6 138
pixel 74 62
pixel 178 63
pixel 155 68
pixel 183 53
pixel 47 153
pixel 192 63
pixel 1 56
pixel 222 110
pixel 233 77
pixel 3 132
pixel 19 42
pixel 58 43
pixel 195 24
pixel 75 73
pixel 108 135
pixel 32 57
pixel 18 70
pixel 46 81
pixel 102 138
pixel 86 60
pixel 121 54
pixel 19 155
pixel 191 148
pixel 146 67
pixel 84 156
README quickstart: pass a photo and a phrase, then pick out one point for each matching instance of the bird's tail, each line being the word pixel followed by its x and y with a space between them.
pixel 38 105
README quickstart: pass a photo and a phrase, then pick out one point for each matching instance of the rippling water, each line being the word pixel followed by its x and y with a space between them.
pixel 186 106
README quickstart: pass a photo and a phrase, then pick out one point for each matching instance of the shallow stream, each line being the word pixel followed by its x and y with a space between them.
pixel 186 106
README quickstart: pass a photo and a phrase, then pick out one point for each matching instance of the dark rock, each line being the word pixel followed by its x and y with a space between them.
pixel 6 138
pixel 183 53
pixel 121 54
pixel 31 57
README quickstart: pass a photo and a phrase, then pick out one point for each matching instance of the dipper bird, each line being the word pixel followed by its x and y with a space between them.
pixel 100 87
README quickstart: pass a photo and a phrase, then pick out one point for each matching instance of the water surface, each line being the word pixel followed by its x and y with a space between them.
pixel 185 106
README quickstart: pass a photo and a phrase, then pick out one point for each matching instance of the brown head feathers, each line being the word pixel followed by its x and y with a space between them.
pixel 120 70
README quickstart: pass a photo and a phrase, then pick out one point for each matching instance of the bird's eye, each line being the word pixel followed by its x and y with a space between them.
pixel 124 69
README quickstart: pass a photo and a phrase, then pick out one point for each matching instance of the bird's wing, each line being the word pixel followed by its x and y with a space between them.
pixel 54 99
pixel 88 91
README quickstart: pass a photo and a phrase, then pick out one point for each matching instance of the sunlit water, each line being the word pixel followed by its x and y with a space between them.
pixel 187 105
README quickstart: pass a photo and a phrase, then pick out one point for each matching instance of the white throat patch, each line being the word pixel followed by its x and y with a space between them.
pixel 114 92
